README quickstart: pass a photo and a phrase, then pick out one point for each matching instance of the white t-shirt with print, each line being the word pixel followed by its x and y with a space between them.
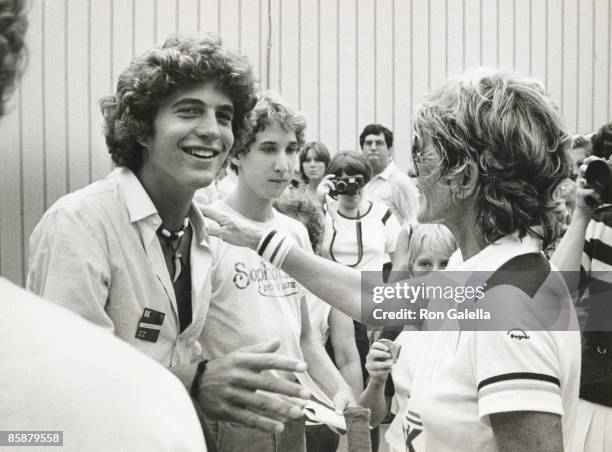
pixel 253 301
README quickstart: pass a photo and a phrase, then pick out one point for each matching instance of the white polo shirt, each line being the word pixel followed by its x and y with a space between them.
pixel 95 252
pixel 463 377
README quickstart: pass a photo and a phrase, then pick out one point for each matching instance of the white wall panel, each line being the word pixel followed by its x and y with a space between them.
pixel 601 62
pixel 403 82
pixel 383 82
pixel 32 133
pixel 347 73
pixel 586 21
pixel 346 63
pixel 472 25
pixel 522 36
pixel 54 100
pixel 328 75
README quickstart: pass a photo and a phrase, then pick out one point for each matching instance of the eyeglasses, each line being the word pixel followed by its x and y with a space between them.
pixel 417 156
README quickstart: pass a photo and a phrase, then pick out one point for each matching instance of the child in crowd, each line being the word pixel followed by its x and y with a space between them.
pixel 428 247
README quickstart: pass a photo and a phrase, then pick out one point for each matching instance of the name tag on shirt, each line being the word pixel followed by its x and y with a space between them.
pixel 150 325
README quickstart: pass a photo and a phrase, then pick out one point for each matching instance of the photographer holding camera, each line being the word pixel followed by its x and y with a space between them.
pixel 359 233
pixel 585 252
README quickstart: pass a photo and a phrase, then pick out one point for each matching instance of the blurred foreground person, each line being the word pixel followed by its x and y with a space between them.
pixel 486 158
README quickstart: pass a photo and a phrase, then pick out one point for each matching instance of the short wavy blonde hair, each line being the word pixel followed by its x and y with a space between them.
pixel 511 130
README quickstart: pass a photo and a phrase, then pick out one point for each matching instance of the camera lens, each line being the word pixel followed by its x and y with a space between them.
pixel 598 174
pixel 341 186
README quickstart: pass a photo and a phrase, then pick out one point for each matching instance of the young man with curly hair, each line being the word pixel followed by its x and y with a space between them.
pixel 252 301
pixel 131 253
pixel 61 372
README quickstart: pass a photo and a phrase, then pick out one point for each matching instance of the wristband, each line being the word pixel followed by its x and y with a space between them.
pixel 197 379
pixel 274 247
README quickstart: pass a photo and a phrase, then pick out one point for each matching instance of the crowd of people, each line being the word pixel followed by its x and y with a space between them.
pixel 170 308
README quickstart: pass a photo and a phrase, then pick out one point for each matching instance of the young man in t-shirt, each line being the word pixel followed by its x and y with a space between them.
pixel 253 301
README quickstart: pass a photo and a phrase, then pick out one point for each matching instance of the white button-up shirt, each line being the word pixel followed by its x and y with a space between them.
pixel 96 253
pixel 395 189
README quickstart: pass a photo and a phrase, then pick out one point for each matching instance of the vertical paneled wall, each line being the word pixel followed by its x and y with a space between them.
pixel 346 63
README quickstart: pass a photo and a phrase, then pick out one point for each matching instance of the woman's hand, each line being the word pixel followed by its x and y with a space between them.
pixel 587 198
pixel 379 362
pixel 325 186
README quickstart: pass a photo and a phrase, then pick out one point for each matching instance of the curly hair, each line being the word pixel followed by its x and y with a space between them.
pixel 271 108
pixel 160 72
pixel 321 153
pixel 350 162
pixel 511 131
pixel 376 129
pixel 296 204
pixel 13 25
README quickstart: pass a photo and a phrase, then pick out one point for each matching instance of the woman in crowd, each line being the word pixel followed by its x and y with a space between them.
pixel 314 158
pixel 487 157
pixel 359 233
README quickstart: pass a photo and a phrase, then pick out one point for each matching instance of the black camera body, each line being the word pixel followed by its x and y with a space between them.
pixel 599 176
pixel 347 185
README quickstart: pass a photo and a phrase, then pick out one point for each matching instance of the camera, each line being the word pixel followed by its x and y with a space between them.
pixel 599 176
pixel 348 185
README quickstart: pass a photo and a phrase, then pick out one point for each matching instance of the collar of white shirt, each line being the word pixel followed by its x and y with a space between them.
pixel 501 251
pixel 386 173
pixel 142 210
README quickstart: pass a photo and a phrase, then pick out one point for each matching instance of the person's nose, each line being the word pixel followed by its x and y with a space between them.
pixel 412 169
pixel 281 164
pixel 208 126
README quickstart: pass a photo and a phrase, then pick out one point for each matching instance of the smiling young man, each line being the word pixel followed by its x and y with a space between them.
pixel 131 253
pixel 252 300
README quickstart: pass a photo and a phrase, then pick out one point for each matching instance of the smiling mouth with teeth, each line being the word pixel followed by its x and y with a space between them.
pixel 199 152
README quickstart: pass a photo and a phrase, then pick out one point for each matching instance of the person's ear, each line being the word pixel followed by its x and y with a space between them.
pixel 235 159
pixel 466 183
pixel 144 142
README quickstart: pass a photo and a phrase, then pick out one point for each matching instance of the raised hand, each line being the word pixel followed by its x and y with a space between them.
pixel 231 388
pixel 232 228
pixel 587 198
pixel 379 362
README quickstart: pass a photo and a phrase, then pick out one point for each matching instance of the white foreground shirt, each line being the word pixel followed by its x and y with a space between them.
pixel 60 372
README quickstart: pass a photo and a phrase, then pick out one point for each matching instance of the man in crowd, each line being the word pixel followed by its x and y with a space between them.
pixel 585 253
pixel 388 183
pixel 87 389
pixel 252 301
pixel 131 253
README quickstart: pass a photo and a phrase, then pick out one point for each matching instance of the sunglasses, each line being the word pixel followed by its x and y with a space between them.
pixel 417 153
